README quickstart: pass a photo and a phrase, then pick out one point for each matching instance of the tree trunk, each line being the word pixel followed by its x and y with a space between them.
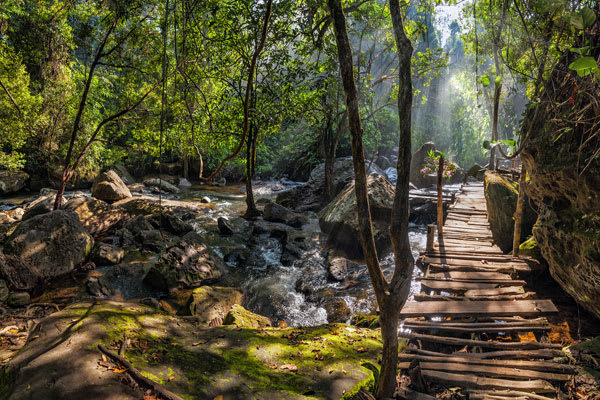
pixel 497 92
pixel 251 211
pixel 390 296
pixel 440 196
pixel 330 150
pixel 186 166
pixel 519 212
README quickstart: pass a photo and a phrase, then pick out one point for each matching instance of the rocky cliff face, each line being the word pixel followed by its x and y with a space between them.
pixel 561 154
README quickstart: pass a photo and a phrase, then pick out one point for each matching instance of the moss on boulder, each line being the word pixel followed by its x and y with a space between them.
pixel 210 302
pixel 324 362
pixel 242 318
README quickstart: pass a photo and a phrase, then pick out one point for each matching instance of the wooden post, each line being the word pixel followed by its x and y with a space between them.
pixel 519 212
pixel 430 235
pixel 440 197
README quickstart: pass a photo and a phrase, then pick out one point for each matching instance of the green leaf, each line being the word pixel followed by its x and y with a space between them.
pixel 498 80
pixel 486 145
pixel 588 17
pixel 580 50
pixel 583 63
pixel 577 21
pixel 484 80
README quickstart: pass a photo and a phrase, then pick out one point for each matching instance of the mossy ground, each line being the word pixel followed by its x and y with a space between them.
pixel 325 362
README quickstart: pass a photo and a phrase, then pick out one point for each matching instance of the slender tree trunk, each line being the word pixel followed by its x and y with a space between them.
pixel 440 196
pixel 251 211
pixel 249 84
pixel 186 165
pixel 390 296
pixel 497 92
pixel 519 212
pixel 330 151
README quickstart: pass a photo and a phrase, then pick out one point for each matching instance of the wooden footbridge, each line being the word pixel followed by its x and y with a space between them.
pixel 474 325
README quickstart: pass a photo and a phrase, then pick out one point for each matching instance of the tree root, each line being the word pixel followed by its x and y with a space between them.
pixel 135 373
pixel 30 306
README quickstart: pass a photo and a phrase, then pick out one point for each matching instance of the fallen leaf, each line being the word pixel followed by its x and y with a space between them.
pixel 362 349
pixel 170 378
pixel 219 397
pixel 14 331
pixel 199 342
pixel 290 367
pixel 104 358
pixel 119 371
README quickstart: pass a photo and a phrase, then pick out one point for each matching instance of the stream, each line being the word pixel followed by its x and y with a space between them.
pixel 292 293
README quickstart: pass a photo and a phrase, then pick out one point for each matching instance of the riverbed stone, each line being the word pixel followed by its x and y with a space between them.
pixel 274 212
pixel 170 223
pixel 107 254
pixel 337 268
pixel 18 299
pixel 210 302
pixel 20 273
pixel 186 265
pixel 340 217
pixel 123 173
pixel 108 186
pixel 193 362
pixel 161 184
pixel 337 310
pixel 12 181
pixel 417 163
pixel 41 205
pixel 242 318
pixel 224 226
pixel 55 242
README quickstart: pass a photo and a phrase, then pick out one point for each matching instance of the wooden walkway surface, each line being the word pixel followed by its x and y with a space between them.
pixel 475 324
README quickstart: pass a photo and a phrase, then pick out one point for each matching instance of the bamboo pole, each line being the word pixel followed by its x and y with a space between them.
pixel 430 235
pixel 440 199
pixel 519 212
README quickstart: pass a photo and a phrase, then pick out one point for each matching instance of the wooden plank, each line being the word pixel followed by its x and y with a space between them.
pixel 502 321
pixel 412 395
pixel 503 282
pixel 505 394
pixel 475 263
pixel 482 268
pixel 495 292
pixel 463 286
pixel 477 257
pixel 545 366
pixel 441 297
pixel 478 308
pixel 534 386
pixel 528 345
pixel 490 370
pixel 512 354
pixel 469 275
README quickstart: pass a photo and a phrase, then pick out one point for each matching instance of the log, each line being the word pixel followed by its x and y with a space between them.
pixel 489 370
pixel 528 345
pixel 544 366
pixel 518 354
pixel 168 395
pixel 476 328
pixel 504 394
pixel 469 381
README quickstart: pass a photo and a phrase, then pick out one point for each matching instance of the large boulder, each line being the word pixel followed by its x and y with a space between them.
pixel 186 265
pixel 242 318
pixel 501 200
pixel 417 163
pixel 55 242
pixel 20 274
pixel 123 174
pixel 42 205
pixel 212 302
pixel 340 217
pixel 277 213
pixel 108 186
pixel 343 173
pixel 12 181
pixel 97 216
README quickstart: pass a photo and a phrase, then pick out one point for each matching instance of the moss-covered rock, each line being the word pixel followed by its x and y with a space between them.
pixel 242 318
pixel 324 362
pixel 501 199
pixel 561 157
pixel 530 248
pixel 210 302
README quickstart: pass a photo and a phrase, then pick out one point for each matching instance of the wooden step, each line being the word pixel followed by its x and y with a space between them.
pixel 460 285
pixel 470 381
pixel 469 275
pixel 453 341
pixel 542 354
pixel 489 370
pixel 504 297
pixel 524 308
pixel 475 327
pixel 504 395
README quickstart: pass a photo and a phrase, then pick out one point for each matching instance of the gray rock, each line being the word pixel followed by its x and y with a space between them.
pixel 18 299
pixel 338 268
pixel 123 174
pixel 20 274
pixel 164 185
pixel 107 254
pixel 277 213
pixel 186 265
pixel 185 183
pixel 170 222
pixel 340 217
pixel 99 287
pixel 12 181
pixel 41 205
pixel 224 226
pixel 55 242
pixel 108 186
pixel 3 291
pixel 417 163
